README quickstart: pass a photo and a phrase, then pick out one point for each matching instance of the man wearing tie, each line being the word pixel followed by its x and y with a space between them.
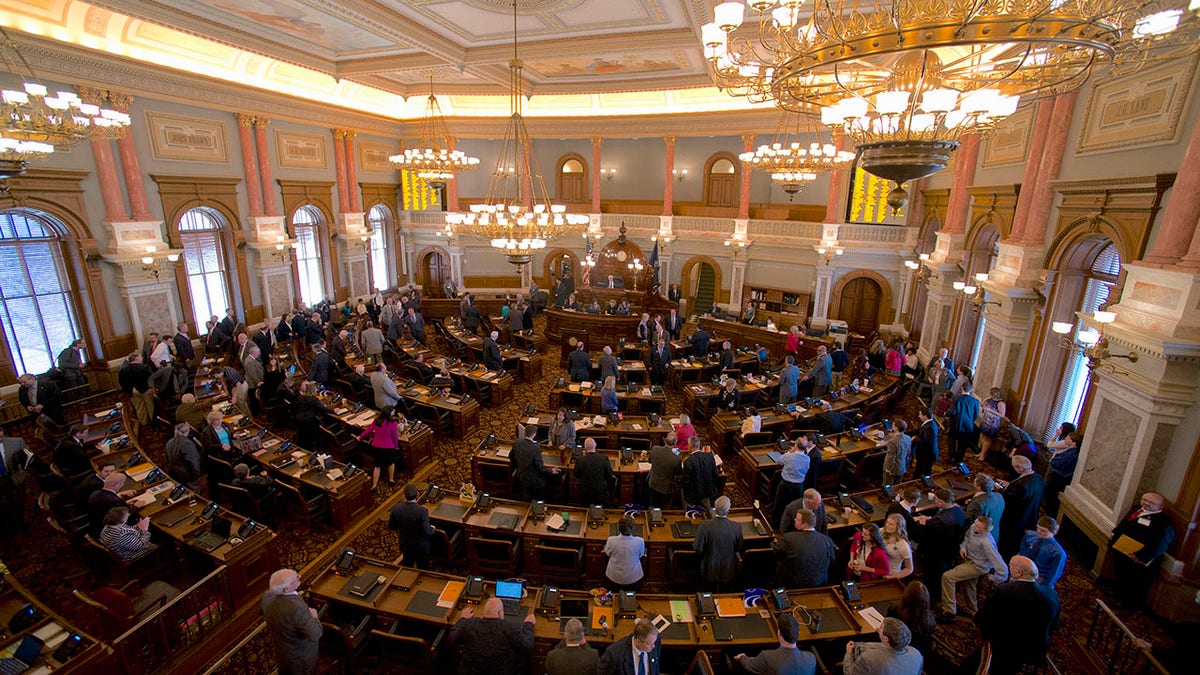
pixel 12 484
pixel 660 358
pixel 183 345
pixel 635 654
pixel 674 324
pixel 491 352
pixel 40 398
pixel 1137 546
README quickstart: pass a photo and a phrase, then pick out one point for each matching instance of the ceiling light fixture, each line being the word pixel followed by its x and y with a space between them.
pixel 434 160
pixel 796 156
pixel 517 216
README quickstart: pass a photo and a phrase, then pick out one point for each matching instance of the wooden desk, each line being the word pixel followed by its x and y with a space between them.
pixel 565 328
pixel 698 397
pixel 416 441
pixel 500 383
pixel 743 335
pixel 52 629
pixel 635 399
pixel 490 469
pixel 527 361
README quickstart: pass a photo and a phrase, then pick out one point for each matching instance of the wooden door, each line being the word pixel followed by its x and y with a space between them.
pixel 859 306
pixel 571 188
pixel 436 272
pixel 723 189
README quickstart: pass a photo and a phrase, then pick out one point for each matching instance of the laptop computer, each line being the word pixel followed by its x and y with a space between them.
pixel 510 593
pixel 216 535
pixel 22 660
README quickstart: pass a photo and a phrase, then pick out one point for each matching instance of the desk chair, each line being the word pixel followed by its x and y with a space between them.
pixel 124 607
pixel 561 565
pixel 496 479
pixel 299 508
pixel 242 502
pixel 829 475
pixel 446 547
pixel 683 569
pixel 701 665
pixel 440 421
pixel 499 558
pixel 866 471
pixel 405 654
pixel 146 564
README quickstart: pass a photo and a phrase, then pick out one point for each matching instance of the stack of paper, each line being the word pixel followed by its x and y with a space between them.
pixel 449 595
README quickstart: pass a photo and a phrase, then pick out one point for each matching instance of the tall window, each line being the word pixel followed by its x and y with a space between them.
pixel 35 292
pixel 1101 278
pixel 305 224
pixel 204 259
pixel 379 219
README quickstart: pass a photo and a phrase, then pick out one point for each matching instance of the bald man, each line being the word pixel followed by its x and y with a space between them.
pixel 1150 527
pixel 1016 618
pixel 490 644
pixel 294 628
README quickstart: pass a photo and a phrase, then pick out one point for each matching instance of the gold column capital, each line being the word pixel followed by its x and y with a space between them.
pixel 260 121
pixel 243 119
pixel 669 139
pixel 597 141
pixel 748 138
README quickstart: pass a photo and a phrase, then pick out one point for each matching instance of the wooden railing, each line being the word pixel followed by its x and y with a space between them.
pixel 187 620
pixel 1112 648
pixel 252 654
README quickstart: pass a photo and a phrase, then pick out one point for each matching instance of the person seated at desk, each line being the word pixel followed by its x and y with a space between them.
pixel 892 654
pixel 573 655
pixel 624 308
pixel 562 430
pixel 727 399
pixel 717 312
pixel 579 364
pixel 124 541
pixel 748 314
pixel 613 282
pixel 611 307
pixel 594 308
pixel 491 644
pixel 608 396
pixel 753 422
pixel 786 658
pixel 192 411
pixel 260 486
pixel 572 303
pixel 71 456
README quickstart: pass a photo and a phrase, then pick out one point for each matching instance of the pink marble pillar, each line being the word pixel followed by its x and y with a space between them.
pixel 959 208
pixel 110 183
pixel 1052 159
pixel 249 164
pixel 596 141
pixel 134 183
pixel 744 198
pixel 352 173
pixel 1191 261
pixel 1181 213
pixel 1037 144
pixel 669 185
pixel 339 170
pixel 264 167
pixel 833 199
pixel 915 213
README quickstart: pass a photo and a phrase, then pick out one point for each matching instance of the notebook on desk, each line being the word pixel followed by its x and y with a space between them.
pixel 504 521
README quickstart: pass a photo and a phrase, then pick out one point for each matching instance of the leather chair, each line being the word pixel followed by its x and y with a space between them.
pixel 561 565
pixel 405 654
pixel 242 502
pixel 497 480
pixel 146 564
pixel 299 508
pixel 124 607
pixel 499 558
pixel 446 547
pixel 683 569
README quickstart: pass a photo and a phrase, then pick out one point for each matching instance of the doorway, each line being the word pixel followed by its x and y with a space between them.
pixel 859 305
pixel 572 179
pixel 722 186
pixel 435 272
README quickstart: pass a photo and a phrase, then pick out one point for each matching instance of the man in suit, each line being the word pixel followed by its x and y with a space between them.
pixel 1016 618
pixel 70 456
pixel 635 654
pixel 786 658
pixel 471 321
pixel 70 361
pixel 579 364
pixel 728 359
pixel 608 365
pixel 383 388
pixel 293 626
pixel 664 465
pixel 1146 525
pixel 527 316
pixel 718 541
pixel 811 501
pixel 939 536
pixel 1022 502
pixel 925 444
pixel 416 325
pixel 892 654
pixel 321 368
pixel 216 340
pixel 491 352
pixel 573 655
pixel 699 342
pixel 13 461
pixel 107 497
pixel 821 373
pixel 229 322
pixel 805 555
pixel 184 350
pixel 905 504
pixel 283 328
pixel 700 476
pixel 411 521
pixel 594 473
pixel 252 366
pixel 299 325
pixel 986 502
pixel 528 468
pixel 674 324
pixel 340 345
pixel 490 644
pixel 673 293
pixel 789 380
pixel 40 398
pixel 660 358
pixel 314 331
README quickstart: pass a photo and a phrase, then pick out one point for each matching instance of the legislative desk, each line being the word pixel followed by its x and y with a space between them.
pixel 500 383
pixel 416 440
pixel 412 596
pixel 250 562
pixel 440 308
pixel 89 656
pixel 567 327
pixel 525 360
pixel 608 434
pixel 698 397
pixel 743 335
pixel 755 470
pixel 584 397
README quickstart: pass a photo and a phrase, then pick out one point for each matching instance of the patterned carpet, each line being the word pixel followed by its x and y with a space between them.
pixel 48 564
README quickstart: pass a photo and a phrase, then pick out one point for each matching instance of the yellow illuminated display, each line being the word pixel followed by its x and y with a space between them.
pixel 868 202
pixel 418 196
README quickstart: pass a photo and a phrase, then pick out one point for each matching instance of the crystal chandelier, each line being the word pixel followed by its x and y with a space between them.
pixel 35 121
pixel 516 216
pixel 906 79
pixel 796 156
pixel 433 161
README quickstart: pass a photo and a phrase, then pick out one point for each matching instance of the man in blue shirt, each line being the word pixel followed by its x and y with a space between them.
pixel 1044 550
pixel 795 463
pixel 789 380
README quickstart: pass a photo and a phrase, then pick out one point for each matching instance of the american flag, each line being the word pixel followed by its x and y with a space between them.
pixel 587 258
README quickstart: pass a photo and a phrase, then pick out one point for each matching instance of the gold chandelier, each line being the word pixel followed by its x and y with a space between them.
pixel 433 160
pixel 517 216
pixel 796 156
pixel 35 121
pixel 906 79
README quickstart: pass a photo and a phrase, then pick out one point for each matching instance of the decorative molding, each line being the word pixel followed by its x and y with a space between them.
pixel 1009 142
pixel 186 139
pixel 1122 209
pixel 299 150
pixel 1137 111
pixel 373 156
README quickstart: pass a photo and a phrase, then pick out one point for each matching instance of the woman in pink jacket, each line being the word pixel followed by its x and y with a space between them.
pixel 384 434
pixel 868 555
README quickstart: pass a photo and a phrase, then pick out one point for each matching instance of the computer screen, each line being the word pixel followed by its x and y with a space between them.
pixel 509 589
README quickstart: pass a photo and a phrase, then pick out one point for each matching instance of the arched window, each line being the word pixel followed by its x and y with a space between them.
pixel 1101 277
pixel 35 292
pixel 306 228
pixel 204 261
pixel 379 219
pixel 722 186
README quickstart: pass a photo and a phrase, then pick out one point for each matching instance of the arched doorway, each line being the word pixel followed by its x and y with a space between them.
pixel 700 285
pixel 559 263
pixel 721 184
pixel 979 259
pixel 434 270
pixel 572 178
pixel 920 294
pixel 859 308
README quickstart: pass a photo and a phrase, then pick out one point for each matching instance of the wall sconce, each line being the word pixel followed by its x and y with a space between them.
pixel 364 243
pixel 608 174
pixel 829 250
pixel 150 263
pixel 975 293
pixel 283 250
pixel 919 267
pixel 680 174
pixel 737 243
pixel 1091 343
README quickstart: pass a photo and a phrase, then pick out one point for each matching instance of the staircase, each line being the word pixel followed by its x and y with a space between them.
pixel 705 290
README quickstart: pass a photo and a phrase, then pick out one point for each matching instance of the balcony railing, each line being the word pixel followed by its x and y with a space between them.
pixel 1114 649
pixel 252 654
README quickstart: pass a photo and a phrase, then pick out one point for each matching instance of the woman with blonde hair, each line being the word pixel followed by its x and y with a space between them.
pixel 899 550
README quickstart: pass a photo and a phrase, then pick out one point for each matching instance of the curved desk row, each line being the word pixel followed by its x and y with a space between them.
pixel 744 335
pixel 65 649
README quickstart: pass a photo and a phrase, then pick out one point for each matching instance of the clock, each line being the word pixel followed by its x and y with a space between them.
pixel 622 255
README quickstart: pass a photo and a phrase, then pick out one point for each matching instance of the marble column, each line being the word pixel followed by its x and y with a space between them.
pixel 270 207
pixel 1037 144
pixel 1005 334
pixel 744 198
pixel 669 180
pixel 339 171
pixel 958 211
pixel 738 279
pixel 1057 137
pixel 596 142
pixel 139 205
pixel 821 295
pixel 1181 214
pixel 110 182
pixel 834 203
pixel 249 163
pixel 939 308
pixel 351 171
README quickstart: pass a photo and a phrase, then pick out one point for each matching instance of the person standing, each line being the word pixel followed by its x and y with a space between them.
pixel 490 644
pixel 573 655
pixel 579 364
pixel 410 521
pixel 963 433
pixel 789 380
pixel 70 361
pixel 664 466
pixel 293 626
pixel 625 552
pixel 183 457
pixel 1044 550
pixel 595 474
pixel 796 465
pixel 899 447
pixel 674 326
pixel 562 431
pixel 805 555
pixel 868 555
pixel 1022 502
pixel 1016 618
pixel 491 352
pixel 660 358
pixel 822 372
pixel 925 445
pixel 608 365
pixel 525 459
pixel 700 476
pixel 384 436
pixel 698 341
pixel 718 541
pixel 386 395
pixel 14 457
pixel 42 398
pixel 1063 459
pixel 1149 531
pixel 938 537
pixel 416 325
pixel 986 502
